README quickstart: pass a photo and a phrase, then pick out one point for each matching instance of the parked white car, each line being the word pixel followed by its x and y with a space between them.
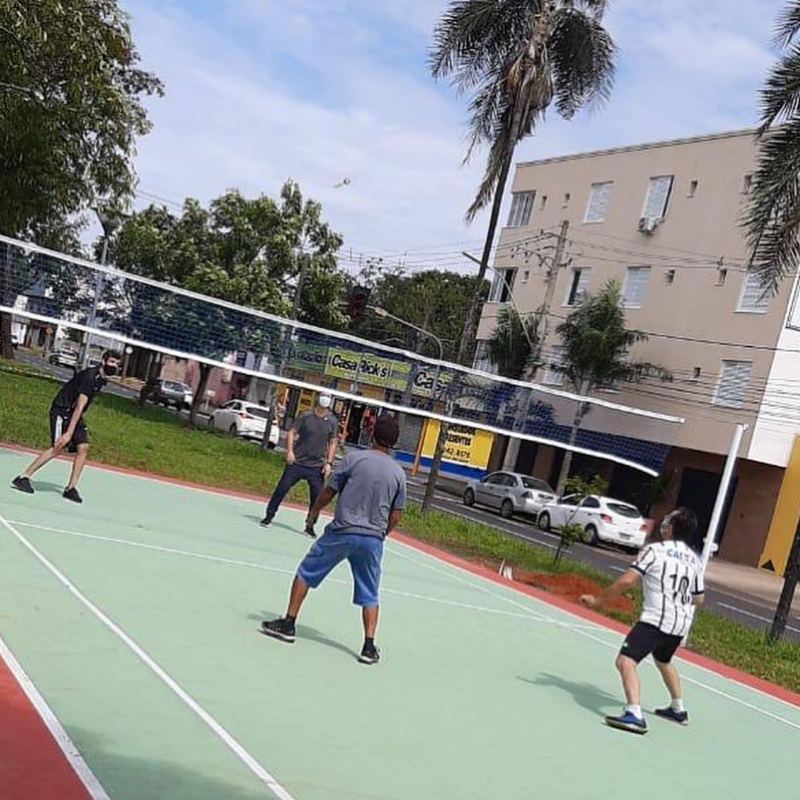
pixel 603 519
pixel 509 492
pixel 248 420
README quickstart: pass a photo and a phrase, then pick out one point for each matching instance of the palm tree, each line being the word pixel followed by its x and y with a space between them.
pixel 596 346
pixel 517 58
pixel 514 343
pixel 772 218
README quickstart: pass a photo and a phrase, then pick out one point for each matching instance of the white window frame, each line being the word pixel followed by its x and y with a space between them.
pixel 595 199
pixel 751 288
pixel 581 292
pixel 652 184
pixel 551 377
pixel 504 280
pixel 637 301
pixel 519 215
pixel 738 383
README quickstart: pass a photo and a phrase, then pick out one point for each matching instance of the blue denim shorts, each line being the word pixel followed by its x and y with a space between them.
pixel 364 555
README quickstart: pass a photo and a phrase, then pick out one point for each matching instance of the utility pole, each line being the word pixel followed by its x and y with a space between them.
pixel 552 279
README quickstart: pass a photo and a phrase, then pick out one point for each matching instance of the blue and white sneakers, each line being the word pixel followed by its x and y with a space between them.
pixel 681 717
pixel 627 722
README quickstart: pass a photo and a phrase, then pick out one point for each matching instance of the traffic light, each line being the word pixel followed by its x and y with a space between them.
pixel 357 304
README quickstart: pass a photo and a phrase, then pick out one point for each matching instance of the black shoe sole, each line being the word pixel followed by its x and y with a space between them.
pixel 281 637
pixel 622 727
pixel 22 489
pixel 73 499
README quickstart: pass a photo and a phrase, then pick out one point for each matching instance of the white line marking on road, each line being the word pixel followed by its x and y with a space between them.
pixel 262 774
pixel 754 616
pixel 67 746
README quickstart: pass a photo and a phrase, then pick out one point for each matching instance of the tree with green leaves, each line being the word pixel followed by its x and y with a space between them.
pixel 71 109
pixel 251 252
pixel 514 344
pixel 517 58
pixel 596 355
pixel 772 217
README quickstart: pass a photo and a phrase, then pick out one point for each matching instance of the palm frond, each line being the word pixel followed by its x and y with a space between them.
pixel 780 97
pixel 582 55
pixel 772 217
pixel 788 25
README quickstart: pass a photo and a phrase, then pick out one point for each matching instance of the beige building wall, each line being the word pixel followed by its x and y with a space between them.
pixel 696 259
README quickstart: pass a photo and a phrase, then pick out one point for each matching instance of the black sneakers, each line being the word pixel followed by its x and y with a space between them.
pixel 309 531
pixel 266 522
pixel 22 484
pixel 282 629
pixel 369 654
pixel 72 494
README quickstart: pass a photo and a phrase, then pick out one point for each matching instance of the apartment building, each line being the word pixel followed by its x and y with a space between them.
pixel 663 220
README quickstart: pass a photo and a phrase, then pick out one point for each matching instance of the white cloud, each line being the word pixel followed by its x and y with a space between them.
pixel 262 90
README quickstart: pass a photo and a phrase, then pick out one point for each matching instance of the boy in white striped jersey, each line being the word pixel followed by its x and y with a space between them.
pixel 672 576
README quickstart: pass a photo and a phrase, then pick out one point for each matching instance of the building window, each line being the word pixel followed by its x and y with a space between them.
pixel 503 286
pixel 754 298
pixel 658 192
pixel 635 286
pixel 482 361
pixel 692 189
pixel 733 384
pixel 599 200
pixel 552 377
pixel 521 207
pixel 578 287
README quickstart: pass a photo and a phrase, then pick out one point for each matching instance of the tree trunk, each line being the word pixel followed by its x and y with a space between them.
pixel 790 578
pixel 7 349
pixel 205 373
pixel 566 464
pixel 471 326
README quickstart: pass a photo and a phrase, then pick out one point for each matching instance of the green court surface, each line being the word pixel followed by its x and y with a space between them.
pixel 136 615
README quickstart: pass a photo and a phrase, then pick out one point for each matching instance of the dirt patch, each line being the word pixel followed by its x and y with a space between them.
pixel 571 587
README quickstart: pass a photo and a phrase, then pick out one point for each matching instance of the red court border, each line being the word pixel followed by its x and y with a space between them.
pixel 743 678
pixel 32 765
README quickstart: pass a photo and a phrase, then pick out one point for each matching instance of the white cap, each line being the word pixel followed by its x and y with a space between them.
pixel 324 401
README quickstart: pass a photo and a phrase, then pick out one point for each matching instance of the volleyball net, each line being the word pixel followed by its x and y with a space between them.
pixel 51 288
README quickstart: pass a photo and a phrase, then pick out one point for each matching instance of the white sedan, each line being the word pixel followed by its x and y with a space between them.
pixel 603 519
pixel 248 420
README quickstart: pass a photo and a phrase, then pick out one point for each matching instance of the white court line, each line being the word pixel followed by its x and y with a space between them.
pixel 582 632
pixel 754 616
pixel 233 744
pixel 66 745
pixel 265 568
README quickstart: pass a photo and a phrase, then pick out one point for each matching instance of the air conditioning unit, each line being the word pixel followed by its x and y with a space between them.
pixel 648 224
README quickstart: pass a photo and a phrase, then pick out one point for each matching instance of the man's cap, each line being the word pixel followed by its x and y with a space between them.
pixel 386 431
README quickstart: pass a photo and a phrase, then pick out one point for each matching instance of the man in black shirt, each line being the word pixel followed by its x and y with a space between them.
pixel 67 428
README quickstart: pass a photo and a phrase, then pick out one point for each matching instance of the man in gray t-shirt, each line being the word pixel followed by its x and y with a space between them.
pixel 372 494
pixel 310 449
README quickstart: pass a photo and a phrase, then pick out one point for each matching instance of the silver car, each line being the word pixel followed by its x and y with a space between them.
pixel 510 493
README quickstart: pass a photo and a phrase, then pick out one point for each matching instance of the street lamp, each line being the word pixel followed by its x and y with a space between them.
pixel 382 312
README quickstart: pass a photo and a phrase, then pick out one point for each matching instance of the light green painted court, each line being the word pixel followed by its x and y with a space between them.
pixel 153 664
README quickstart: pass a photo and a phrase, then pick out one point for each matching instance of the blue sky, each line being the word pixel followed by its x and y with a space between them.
pixel 321 90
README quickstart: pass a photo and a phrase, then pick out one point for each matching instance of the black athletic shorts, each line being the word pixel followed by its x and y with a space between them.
pixel 644 639
pixel 59 421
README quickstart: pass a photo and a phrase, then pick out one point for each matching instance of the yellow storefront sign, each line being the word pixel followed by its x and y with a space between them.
pixel 464 445
pixel 368 369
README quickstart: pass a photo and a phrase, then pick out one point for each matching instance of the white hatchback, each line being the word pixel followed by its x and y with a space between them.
pixel 603 519
pixel 248 420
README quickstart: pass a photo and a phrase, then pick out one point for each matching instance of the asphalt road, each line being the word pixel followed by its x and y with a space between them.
pixel 739 606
